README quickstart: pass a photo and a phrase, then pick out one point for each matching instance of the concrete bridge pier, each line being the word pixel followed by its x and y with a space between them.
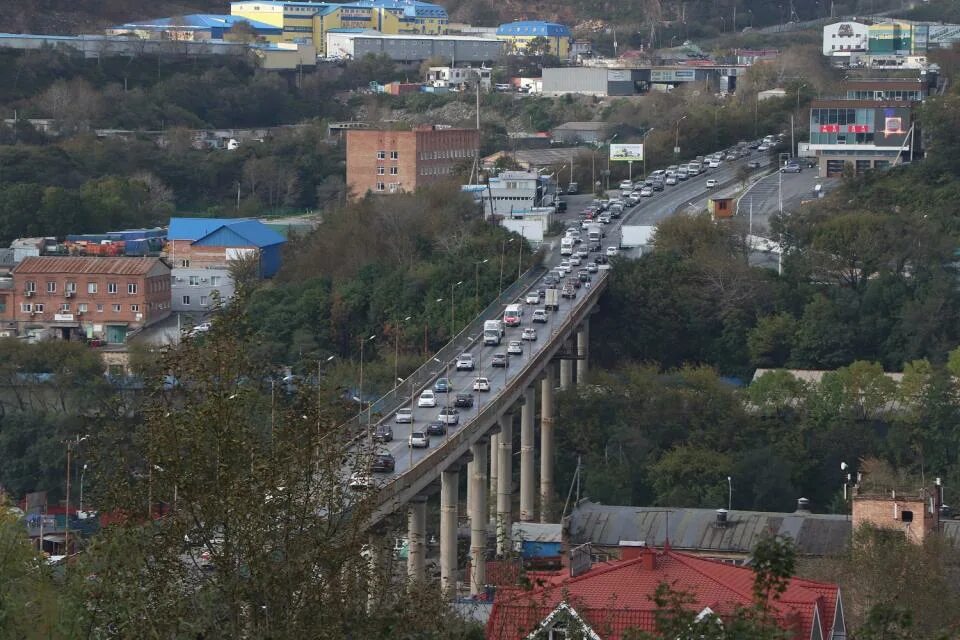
pixel 477 471
pixel 547 384
pixel 566 367
pixel 416 538
pixel 528 483
pixel 505 485
pixel 494 468
pixel 449 497
pixel 583 351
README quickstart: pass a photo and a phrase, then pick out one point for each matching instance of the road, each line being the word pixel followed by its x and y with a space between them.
pixel 765 194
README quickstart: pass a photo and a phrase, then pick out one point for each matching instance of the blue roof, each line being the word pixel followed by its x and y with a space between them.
pixel 200 21
pixel 409 7
pixel 534 28
pixel 195 229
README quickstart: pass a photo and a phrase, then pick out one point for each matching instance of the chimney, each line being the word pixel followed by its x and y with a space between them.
pixel 631 549
pixel 721 519
pixel 649 559
pixel 803 506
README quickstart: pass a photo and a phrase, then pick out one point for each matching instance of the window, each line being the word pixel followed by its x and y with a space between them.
pixel 30 286
pixel 394 155
pixel 51 287
pixel 135 308
pixel 380 171
pixel 186 301
pixel 82 307
pixel 111 287
pixel 38 308
pixel 906 516
pixel 194 281
pixel 26 307
pixel 116 308
pixel 185 263
pixel 203 301
pixel 381 154
pixel 72 287
pixel 64 306
pixel 132 288
pixel 394 170
pixel 91 287
pixel 214 281
pixel 380 186
pixel 99 308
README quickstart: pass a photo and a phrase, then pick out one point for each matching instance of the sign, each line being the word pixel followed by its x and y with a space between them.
pixel 893 125
pixel 63 317
pixel 618 75
pixel 673 75
pixel 626 152
pixel 858 128
pixel 845 30
pixel 829 128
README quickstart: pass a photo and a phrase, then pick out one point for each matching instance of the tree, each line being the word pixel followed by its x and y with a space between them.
pixel 690 476
pixel 27 598
pixel 538 47
pixel 771 341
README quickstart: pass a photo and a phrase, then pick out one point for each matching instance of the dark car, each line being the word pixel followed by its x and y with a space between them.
pixel 436 428
pixel 384 433
pixel 442 385
pixel 463 400
pixel 383 463
pixel 583 275
pixel 595 247
pixel 753 164
pixel 550 280
pixel 500 360
pixel 574 282
pixel 561 206
pixel 601 259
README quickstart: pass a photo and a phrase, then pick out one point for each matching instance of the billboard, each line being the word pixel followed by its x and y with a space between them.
pixel 626 152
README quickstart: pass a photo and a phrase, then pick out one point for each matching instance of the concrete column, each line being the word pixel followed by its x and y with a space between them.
pixel 494 467
pixel 416 537
pixel 504 485
pixel 449 495
pixel 528 482
pixel 566 368
pixel 478 517
pixel 376 580
pixel 583 350
pixel 546 442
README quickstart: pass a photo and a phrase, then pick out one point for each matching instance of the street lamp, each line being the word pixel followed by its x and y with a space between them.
pixel 82 473
pixel 609 142
pixel 729 493
pixel 396 353
pixel 476 289
pixel 676 147
pixel 798 95
pixel 643 141
pixel 362 342
pixel 503 256
pixel 66 533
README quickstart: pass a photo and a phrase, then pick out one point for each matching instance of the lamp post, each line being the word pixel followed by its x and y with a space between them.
pixel 396 353
pixel 729 493
pixel 362 342
pixel 609 142
pixel 676 146
pixel 476 289
pixel 643 141
pixel 66 532
pixel 82 473
pixel 503 256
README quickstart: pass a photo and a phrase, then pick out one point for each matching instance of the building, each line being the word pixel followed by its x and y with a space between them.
pixel 309 22
pixel 910 89
pixel 76 298
pixel 887 39
pixel 542 158
pixel 604 81
pixel 913 512
pixel 458 77
pixel 199 27
pixel 518 35
pixel 606 600
pixel 381 161
pixel 353 44
pixel 753 56
pixel 862 134
pixel 514 193
pixel 203 252
pixel 840 39
pixel 771 94
pixel 577 132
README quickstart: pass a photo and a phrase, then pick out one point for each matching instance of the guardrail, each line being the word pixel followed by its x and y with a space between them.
pixel 415 478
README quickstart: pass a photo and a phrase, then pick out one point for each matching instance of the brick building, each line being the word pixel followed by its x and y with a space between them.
pixel 75 298
pixel 915 513
pixel 383 161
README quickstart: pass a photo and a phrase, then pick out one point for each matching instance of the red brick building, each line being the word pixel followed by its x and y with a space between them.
pixel 382 161
pixel 85 297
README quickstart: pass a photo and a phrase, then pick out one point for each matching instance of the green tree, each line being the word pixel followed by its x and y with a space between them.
pixel 27 596
pixel 689 476
pixel 771 341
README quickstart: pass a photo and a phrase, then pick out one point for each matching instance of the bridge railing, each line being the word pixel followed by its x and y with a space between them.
pixel 396 398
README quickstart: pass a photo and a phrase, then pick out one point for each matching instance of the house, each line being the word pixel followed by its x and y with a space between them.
pixel 576 132
pixel 518 35
pixel 608 599
pixel 458 77
pixel 203 251
pixel 198 27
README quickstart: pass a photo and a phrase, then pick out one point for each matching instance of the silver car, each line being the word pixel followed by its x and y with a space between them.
pixel 404 416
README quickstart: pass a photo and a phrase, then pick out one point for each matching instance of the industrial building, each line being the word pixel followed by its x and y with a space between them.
pixel 604 81
pixel 352 44
pixel 199 27
pixel 900 38
pixel 518 36
pixel 309 22
pixel 382 162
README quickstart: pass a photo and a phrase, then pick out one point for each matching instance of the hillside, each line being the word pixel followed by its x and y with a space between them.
pixel 89 16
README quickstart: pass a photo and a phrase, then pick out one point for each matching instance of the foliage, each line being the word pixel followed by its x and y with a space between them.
pixel 26 605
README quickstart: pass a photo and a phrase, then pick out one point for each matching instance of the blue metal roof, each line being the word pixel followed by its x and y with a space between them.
pixel 201 21
pixel 534 28
pixel 409 7
pixel 252 231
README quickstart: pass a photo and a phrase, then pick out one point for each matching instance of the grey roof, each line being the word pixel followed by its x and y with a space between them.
pixel 6 258
pixel 697 530
pixel 581 126
pixel 543 157
pixel 537 532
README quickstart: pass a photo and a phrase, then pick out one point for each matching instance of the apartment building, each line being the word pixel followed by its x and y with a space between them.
pixel 383 162
pixel 76 298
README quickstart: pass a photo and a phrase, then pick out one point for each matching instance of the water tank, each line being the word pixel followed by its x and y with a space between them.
pixel 721 518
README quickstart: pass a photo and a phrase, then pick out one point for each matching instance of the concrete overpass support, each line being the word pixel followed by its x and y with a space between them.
pixel 583 351
pixel 528 482
pixel 494 467
pixel 449 496
pixel 478 516
pixel 566 368
pixel 547 385
pixel 505 485
pixel 416 539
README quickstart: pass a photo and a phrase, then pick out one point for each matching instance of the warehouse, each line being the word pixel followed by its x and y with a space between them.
pixel 352 44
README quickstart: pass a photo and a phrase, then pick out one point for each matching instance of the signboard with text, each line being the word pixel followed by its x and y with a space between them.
pixel 626 152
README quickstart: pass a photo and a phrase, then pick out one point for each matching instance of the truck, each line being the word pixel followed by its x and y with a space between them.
pixel 636 236
pixel 594 233
pixel 551 301
pixel 492 332
pixel 513 315
pixel 566 246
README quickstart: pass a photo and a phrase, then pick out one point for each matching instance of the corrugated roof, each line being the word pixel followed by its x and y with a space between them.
pixel 581 126
pixel 254 232
pixel 84 265
pixel 537 532
pixel 196 228
pixel 697 530
pixel 200 21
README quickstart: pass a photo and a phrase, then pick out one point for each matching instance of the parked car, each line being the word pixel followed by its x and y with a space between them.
pixel 418 440
pixel 529 333
pixel 481 384
pixel 465 362
pixel 442 385
pixel 383 463
pixel 427 399
pixel 791 167
pixel 404 416
pixel 501 360
pixel 436 428
pixel 384 433
pixel 449 415
pixel 515 348
pixel 540 315
pixel 463 400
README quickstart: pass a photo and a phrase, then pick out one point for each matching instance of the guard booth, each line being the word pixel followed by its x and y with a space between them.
pixel 720 208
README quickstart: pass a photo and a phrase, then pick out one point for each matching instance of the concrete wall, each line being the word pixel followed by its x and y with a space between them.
pixel 413 49
pixel 583 80
pixel 199 284
pixel 95 46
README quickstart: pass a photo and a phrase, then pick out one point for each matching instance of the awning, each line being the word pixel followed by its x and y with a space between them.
pixel 54 538
pixel 65 325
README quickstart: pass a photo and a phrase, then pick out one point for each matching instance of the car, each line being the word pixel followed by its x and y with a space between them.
pixel 565 266
pixel 600 259
pixel 418 440
pixel 436 428
pixel 442 385
pixel 584 275
pixel 763 147
pixel 583 254
pixel 604 218
pixel 404 416
pixel 203 327
pixel 540 315
pixel 541 294
pixel 532 298
pixel 595 247
pixel 383 462
pixel 561 205
pixel 791 167
pixel 713 164
pixel 730 157
pixel 568 291
pixel 427 399
pixel 529 333
pixel 463 400
pixel 360 481
pixel 574 261
pixel 753 164
pixel 384 433
pixel 658 185
pixel 481 384
pixel 633 200
pixel 646 192
pixel 465 362
pixel 612 251
pixel 592 267
pixel 670 181
pixel 573 188
pixel 501 360
pixel 515 348
pixel 626 185
pixel 550 280
pixel 448 415
pixel 576 282
pixel 711 183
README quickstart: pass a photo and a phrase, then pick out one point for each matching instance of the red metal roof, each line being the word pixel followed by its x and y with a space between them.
pixel 86 265
pixel 616 596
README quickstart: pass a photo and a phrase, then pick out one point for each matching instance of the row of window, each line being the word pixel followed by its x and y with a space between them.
pixel 446 154
pixel 841 116
pixel 393 186
pixel 204 301
pixel 884 95
pixel 393 171
pixel 83 307
pixel 436 171
pixel 841 138
pixel 382 155
pixel 71 287
pixel 196 281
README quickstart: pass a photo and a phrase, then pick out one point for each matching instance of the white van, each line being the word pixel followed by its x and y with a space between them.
pixel 566 246
pixel 513 315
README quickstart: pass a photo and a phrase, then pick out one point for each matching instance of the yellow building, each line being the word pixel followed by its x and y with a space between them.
pixel 309 22
pixel 519 34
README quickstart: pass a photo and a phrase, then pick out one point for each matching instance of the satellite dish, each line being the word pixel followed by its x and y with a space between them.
pixel 843 466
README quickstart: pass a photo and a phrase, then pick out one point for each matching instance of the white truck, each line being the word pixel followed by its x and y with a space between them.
pixel 551 301
pixel 492 332
pixel 566 246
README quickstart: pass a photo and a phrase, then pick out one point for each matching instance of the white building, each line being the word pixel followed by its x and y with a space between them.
pixel 458 77
pixel 840 39
pixel 513 194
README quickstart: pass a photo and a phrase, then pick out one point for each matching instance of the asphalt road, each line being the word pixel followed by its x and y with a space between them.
pixel 764 195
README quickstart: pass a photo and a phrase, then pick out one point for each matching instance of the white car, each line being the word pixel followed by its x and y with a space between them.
pixel 612 251
pixel 533 298
pixel 714 164
pixel 427 399
pixel 515 348
pixel 418 440
pixel 540 315
pixel 464 363
pixel 565 266
pixel 711 183
pixel 646 192
pixel 529 333
pixel 481 384
pixel 404 416
pixel 670 181
pixel 626 185
pixel 574 261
